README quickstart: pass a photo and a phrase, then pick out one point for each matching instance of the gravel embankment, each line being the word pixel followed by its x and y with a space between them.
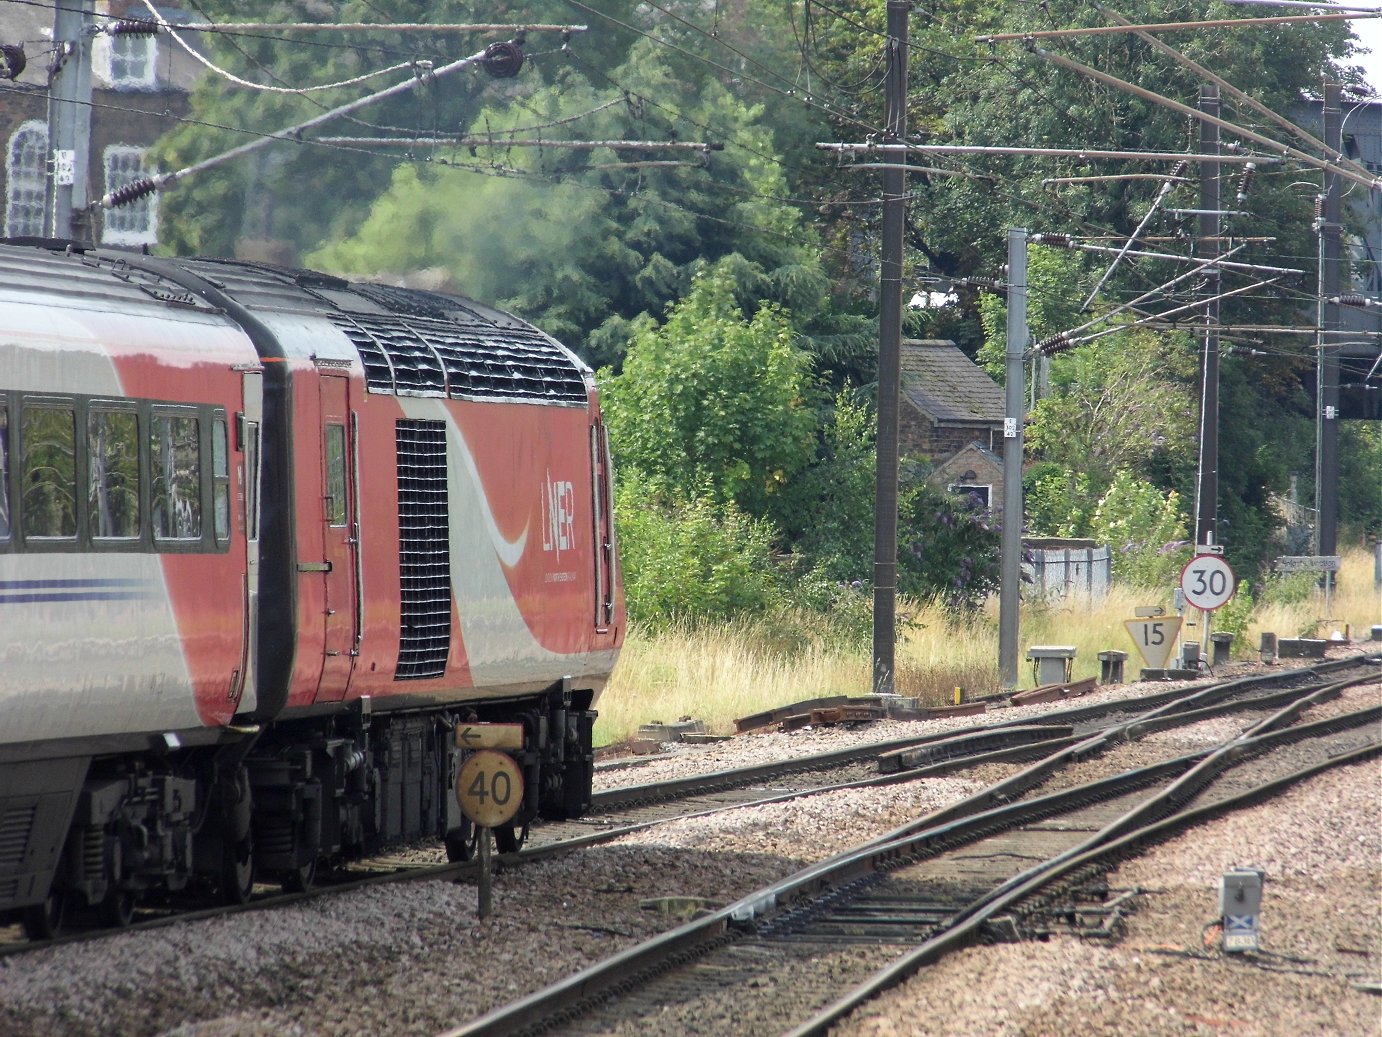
pixel 412 959
pixel 1321 933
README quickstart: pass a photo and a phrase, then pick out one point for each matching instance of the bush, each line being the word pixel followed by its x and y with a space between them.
pixel 1145 531
pixel 1289 588
pixel 692 560
pixel 1233 618
pixel 845 607
pixel 948 550
pixel 714 403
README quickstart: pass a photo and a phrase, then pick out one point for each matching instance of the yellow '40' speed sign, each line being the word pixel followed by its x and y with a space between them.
pixel 490 788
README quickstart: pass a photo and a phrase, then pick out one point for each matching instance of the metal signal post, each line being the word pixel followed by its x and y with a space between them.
pixel 889 358
pixel 69 120
pixel 1207 485
pixel 1327 355
pixel 1011 564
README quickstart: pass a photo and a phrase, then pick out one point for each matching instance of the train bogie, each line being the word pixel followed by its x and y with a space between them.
pixel 266 539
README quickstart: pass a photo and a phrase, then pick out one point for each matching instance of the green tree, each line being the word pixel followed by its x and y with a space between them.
pixel 1145 529
pixel 715 403
pixel 293 195
pixel 830 508
pixel 584 242
pixel 1122 403
pixel 947 547
pixel 1360 477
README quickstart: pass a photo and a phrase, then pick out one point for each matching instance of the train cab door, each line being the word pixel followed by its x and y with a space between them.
pixel 605 561
pixel 340 536
pixel 248 423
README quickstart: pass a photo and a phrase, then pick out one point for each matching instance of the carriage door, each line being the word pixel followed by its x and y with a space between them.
pixel 602 483
pixel 340 536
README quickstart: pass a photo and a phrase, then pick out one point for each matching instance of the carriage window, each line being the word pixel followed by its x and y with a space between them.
pixel 175 462
pixel 220 476
pixel 252 480
pixel 4 471
pixel 113 474
pixel 49 470
pixel 335 475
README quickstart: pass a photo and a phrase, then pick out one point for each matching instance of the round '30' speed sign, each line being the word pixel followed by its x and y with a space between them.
pixel 1207 582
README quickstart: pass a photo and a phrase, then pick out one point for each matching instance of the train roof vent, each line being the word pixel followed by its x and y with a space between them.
pixel 425 356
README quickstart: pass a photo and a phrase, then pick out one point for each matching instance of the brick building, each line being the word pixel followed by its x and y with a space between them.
pixel 951 412
pixel 139 87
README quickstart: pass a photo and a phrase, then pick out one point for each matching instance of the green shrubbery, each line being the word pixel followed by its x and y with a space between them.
pixel 688 559
pixel 732 503
pixel 1145 530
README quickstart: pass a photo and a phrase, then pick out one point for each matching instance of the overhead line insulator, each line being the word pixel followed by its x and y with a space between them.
pixel 131 192
pixel 12 60
pixel 1245 181
pixel 503 60
pixel 1057 343
pixel 131 27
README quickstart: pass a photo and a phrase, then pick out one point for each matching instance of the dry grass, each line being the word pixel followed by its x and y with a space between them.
pixel 1352 609
pixel 717 675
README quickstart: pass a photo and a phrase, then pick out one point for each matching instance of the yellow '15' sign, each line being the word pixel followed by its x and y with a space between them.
pixel 1155 638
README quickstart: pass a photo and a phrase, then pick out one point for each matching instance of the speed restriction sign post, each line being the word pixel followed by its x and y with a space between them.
pixel 489 789
pixel 1207 582
pixel 1155 637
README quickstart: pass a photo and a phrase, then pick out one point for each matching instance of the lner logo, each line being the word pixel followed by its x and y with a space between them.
pixel 559 507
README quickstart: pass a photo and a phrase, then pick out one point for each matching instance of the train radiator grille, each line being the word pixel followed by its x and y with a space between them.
pixel 424 551
pixel 15 827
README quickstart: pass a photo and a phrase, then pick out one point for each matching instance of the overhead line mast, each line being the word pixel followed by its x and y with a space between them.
pixel 889 359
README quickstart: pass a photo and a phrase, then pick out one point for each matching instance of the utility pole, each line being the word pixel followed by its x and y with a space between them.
pixel 1207 485
pixel 1011 561
pixel 1327 351
pixel 69 121
pixel 889 355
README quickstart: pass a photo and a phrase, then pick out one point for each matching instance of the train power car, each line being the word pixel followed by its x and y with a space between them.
pixel 267 537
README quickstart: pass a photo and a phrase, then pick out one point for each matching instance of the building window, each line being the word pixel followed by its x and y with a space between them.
pixel 973 492
pixel 135 223
pixel 26 183
pixel 126 62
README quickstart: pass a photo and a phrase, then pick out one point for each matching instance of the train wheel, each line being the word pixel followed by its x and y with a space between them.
pixel 237 872
pixel 301 879
pixel 117 910
pixel 44 921
pixel 508 839
pixel 461 842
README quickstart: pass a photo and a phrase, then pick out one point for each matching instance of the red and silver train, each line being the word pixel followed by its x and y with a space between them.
pixel 267 538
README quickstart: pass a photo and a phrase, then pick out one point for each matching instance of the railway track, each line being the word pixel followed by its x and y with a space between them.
pixel 1053 737
pixel 778 960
